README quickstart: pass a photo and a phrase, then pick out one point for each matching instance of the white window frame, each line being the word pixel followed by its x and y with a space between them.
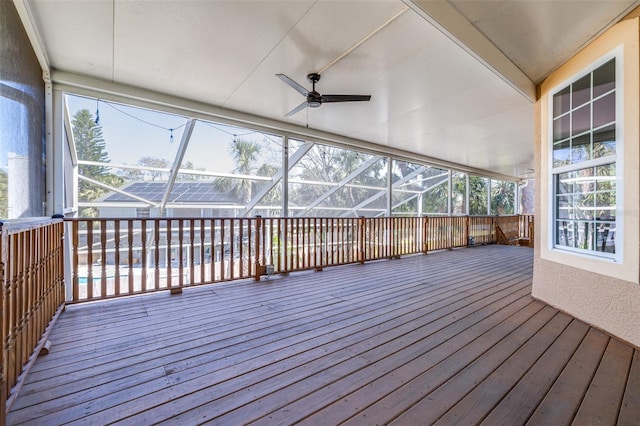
pixel 617 159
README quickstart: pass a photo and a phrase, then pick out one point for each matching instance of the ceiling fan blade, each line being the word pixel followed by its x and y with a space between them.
pixel 296 86
pixel 345 98
pixel 297 109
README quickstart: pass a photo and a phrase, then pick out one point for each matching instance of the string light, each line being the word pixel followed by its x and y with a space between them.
pixel 148 122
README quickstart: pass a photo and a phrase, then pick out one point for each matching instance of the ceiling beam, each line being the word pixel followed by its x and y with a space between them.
pixel 93 87
pixel 443 16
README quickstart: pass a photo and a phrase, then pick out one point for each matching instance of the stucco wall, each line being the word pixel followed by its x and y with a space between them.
pixel 605 294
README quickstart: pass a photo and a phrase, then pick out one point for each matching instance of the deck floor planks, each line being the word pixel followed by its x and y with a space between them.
pixel 358 359
pixel 236 352
pixel 485 396
pixel 630 409
pixel 518 405
pixel 146 388
pixel 601 404
pixel 439 400
pixel 200 381
pixel 563 399
pixel 409 389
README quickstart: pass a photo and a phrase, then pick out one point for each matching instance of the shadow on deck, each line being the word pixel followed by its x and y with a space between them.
pixel 444 338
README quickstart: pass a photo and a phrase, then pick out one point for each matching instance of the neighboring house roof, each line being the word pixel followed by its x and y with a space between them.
pixel 182 192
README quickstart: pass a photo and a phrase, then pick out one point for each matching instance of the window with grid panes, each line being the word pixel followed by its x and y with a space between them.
pixel 584 160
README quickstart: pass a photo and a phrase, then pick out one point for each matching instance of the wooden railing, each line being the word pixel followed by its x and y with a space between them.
pixel 32 295
pixel 123 256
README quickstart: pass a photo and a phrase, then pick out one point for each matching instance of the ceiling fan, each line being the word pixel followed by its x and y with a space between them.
pixel 315 99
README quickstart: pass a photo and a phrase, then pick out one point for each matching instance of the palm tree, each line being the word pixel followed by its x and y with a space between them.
pixel 477 195
pixel 244 153
pixel 502 197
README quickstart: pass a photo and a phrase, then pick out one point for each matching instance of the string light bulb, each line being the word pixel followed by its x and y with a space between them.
pixel 171 136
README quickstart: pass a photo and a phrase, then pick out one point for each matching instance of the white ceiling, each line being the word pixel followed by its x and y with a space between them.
pixel 449 80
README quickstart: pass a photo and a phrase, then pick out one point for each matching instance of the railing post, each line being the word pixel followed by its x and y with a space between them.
pixel 260 269
pixel 3 372
pixel 466 230
pixel 361 239
pixel 425 234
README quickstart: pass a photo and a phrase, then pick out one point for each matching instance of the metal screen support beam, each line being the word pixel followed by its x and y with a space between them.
pixel 488 196
pixel 184 142
pixel 419 195
pixel 364 166
pixel 467 192
pixel 285 177
pixel 381 193
pixel 450 193
pixel 389 186
pixel 291 162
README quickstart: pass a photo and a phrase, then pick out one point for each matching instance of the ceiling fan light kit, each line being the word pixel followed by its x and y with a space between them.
pixel 315 99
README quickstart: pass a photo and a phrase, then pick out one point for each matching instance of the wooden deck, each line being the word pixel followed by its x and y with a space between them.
pixel 451 337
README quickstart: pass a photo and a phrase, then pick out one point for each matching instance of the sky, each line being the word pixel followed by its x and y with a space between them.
pixel 132 133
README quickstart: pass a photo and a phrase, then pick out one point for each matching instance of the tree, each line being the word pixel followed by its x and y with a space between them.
pixel 158 163
pixel 244 153
pixel 90 146
pixel 502 197
pixel 478 190
pixel 328 164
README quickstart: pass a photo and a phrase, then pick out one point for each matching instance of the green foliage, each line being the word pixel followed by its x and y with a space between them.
pixel 330 164
pixel 245 154
pixel 502 197
pixel 478 190
pixel 90 146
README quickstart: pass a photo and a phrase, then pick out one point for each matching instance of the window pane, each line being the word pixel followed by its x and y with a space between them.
pixel 604 110
pixel 561 153
pixel 561 102
pixel 581 148
pixel 581 91
pixel 584 200
pixel 604 142
pixel 604 78
pixel 581 120
pixel 561 127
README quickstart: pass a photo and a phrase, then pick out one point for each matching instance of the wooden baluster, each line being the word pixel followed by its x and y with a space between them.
pixel 212 238
pixel 258 226
pixel 222 247
pixel 116 257
pixel 156 257
pixel 192 261
pixel 241 272
pixel 249 255
pixel 130 255
pixel 103 258
pixel 202 224
pixel 234 244
pixel 180 253
pixel 279 249
pixel 89 259
pixel 287 244
pixel 144 255
pixel 169 233
pixel 75 286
